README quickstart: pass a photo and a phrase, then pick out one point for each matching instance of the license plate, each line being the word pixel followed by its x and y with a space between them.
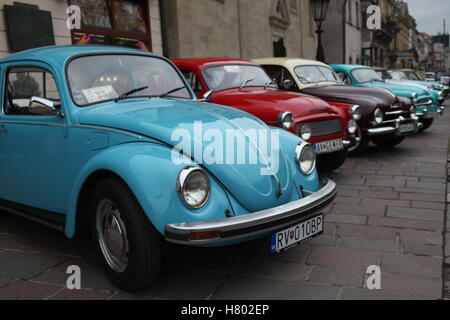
pixel 297 234
pixel 329 146
pixel 406 127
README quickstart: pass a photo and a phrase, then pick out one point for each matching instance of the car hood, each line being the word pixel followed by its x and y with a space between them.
pixel 363 96
pixel 277 100
pixel 422 84
pixel 169 120
pixel 399 89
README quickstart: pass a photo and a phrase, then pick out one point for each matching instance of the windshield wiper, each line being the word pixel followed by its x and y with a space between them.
pixel 170 91
pixel 303 79
pixel 129 93
pixel 269 83
pixel 246 81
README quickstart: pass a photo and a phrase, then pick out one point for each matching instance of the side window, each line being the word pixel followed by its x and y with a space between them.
pixel 288 81
pixel 275 73
pixel 24 84
pixel 193 81
pixel 344 78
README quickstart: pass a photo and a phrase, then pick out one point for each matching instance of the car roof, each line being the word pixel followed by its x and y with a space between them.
pixel 288 62
pixel 201 63
pixel 349 66
pixel 63 53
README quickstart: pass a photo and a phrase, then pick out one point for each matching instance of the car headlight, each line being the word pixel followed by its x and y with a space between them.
pixel 352 126
pixel 306 158
pixel 414 95
pixel 286 119
pixel 378 116
pixel 193 187
pixel 305 132
pixel 356 112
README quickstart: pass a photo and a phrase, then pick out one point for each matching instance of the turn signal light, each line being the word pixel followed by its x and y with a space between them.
pixel 204 235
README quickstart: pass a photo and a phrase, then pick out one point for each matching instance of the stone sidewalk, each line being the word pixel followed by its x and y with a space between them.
pixel 390 212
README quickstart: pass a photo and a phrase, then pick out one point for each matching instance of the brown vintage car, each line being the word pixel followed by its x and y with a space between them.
pixel 385 119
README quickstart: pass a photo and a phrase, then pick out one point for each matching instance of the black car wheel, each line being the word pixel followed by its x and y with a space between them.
pixel 388 141
pixel 426 124
pixel 129 245
pixel 332 161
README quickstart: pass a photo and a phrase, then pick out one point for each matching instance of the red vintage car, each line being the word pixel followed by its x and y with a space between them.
pixel 245 85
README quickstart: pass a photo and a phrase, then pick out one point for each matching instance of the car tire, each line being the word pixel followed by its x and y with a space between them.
pixel 129 246
pixel 332 161
pixel 388 142
pixel 426 124
pixel 360 146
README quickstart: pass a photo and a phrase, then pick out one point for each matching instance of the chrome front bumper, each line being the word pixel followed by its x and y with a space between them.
pixel 394 128
pixel 427 115
pixel 254 224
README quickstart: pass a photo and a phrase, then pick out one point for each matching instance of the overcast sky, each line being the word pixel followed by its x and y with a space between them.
pixel 429 14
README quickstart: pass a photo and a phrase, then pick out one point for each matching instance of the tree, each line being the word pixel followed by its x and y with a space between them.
pixel 25 86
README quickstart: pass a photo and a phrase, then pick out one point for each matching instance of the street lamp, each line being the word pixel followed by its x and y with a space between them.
pixel 320 9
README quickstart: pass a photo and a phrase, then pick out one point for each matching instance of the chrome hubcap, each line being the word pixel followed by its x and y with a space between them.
pixel 112 235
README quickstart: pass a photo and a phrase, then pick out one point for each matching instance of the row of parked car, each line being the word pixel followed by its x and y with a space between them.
pixel 89 137
pixel 337 108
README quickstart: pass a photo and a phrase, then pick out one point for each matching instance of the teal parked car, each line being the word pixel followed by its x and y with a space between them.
pixel 427 109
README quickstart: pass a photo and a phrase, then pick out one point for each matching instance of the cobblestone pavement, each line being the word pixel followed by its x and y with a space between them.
pixel 390 212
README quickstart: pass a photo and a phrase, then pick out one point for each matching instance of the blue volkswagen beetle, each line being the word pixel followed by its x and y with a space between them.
pixel 427 106
pixel 90 135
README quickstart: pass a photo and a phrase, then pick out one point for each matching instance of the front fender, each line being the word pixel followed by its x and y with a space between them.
pixel 150 173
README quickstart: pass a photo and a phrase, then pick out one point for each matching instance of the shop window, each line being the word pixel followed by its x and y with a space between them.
pixel 113 22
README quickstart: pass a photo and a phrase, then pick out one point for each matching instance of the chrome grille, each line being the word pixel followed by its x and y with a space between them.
pixel 323 128
pixel 424 101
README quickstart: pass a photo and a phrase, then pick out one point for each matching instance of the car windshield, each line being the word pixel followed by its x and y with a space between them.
pixel 235 76
pixel 412 75
pixel 316 74
pixel 383 74
pixel 99 78
pixel 398 75
pixel 363 75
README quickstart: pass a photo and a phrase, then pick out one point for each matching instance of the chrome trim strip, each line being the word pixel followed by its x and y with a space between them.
pixel 179 233
pixel 385 130
pixel 34 123
pixel 395 112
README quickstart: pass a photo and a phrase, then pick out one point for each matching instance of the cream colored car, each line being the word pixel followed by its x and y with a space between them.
pixel 378 108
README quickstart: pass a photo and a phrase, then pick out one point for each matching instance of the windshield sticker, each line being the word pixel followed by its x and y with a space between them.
pixel 97 94
pixel 234 69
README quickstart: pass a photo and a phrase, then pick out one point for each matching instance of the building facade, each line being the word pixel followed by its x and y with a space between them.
pixel 343 32
pixel 239 28
pixel 31 23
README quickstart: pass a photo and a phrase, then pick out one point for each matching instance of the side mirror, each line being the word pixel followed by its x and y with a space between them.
pixel 287 84
pixel 44 106
pixel 207 96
